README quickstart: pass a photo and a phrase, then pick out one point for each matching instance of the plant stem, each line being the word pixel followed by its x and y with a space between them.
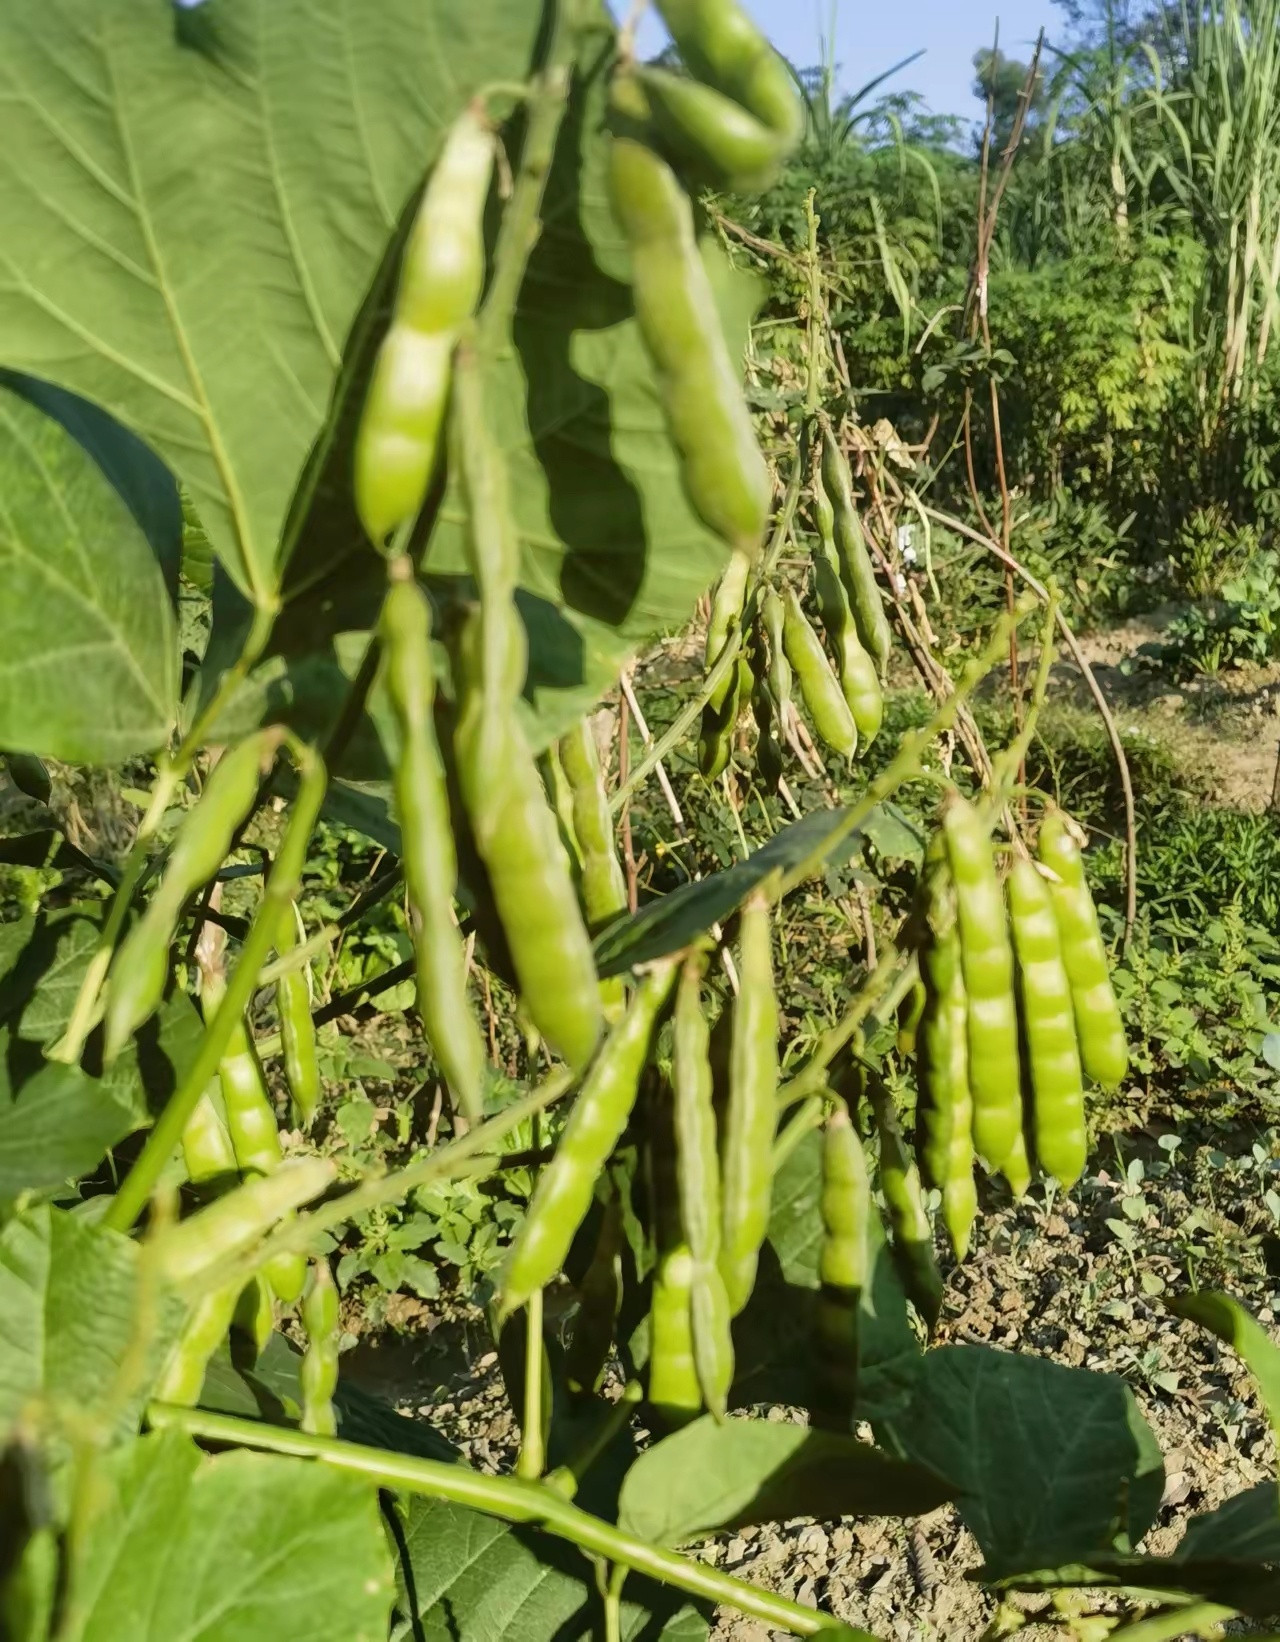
pixel 531 1461
pixel 137 1187
pixel 1167 1626
pixel 511 1498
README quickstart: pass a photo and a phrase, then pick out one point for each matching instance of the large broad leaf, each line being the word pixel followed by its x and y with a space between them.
pixel 774 1363
pixel 1244 1528
pixel 1231 1322
pixel 88 640
pixel 722 1475
pixel 68 1297
pixel 195 203
pixel 465 1577
pixel 1053 1465
pixel 58 1124
pixel 247 1546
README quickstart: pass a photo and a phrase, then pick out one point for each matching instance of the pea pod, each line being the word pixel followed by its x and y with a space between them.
pixel 599 1297
pixel 441 275
pixel 427 847
pixel 908 1220
pixel 844 1263
pixel 135 985
pixel 515 832
pixel 724 49
pixel 232 1224
pixel 1048 1026
pixel 319 1372
pixel 698 1174
pixel 600 1112
pixel 818 684
pixel 855 560
pixel 751 1115
pixel 297 1030
pixel 1104 1054
pixel 206 1145
pixel 944 1113
pixel 987 961
pixel 604 889
pixel 724 474
pixel 855 668
pixel 182 1378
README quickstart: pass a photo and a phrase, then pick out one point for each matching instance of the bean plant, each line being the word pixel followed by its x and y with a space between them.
pixel 409 316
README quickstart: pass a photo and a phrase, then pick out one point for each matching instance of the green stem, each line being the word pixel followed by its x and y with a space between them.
pixel 1193 1620
pixel 728 657
pixel 531 1461
pixel 520 221
pixel 585 1456
pixel 613 1602
pixel 137 1187
pixel 1004 772
pixel 510 1498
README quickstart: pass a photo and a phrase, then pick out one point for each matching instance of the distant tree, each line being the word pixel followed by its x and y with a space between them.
pixel 999 80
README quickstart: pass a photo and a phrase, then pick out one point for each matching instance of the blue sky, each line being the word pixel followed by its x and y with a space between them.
pixel 872 35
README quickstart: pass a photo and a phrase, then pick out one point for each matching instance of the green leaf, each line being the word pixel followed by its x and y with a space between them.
pixel 250 1546
pixel 1224 1316
pixel 204 199
pixel 1244 1528
pixel 1053 1465
pixel 68 1292
pixel 465 1577
pixel 668 924
pixel 773 1364
pixel 894 835
pixel 87 632
pixel 713 1475
pixel 59 1124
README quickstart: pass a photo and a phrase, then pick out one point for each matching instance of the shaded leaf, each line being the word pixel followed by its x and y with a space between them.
pixel 713 1475
pixel 1053 1465
pixel 250 1546
pixel 1244 1528
pixel 1224 1316
pixel 58 1125
pixel 84 599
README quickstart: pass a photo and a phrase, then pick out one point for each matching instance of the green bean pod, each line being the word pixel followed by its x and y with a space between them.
pixel 987 959
pixel 751 1114
pixel 913 1253
pixel 441 276
pixel 819 686
pixel 720 715
pixel 844 1263
pixel 255 1316
pixel 297 1029
pixel 944 1113
pixel 604 889
pixel 1048 1026
pixel 775 621
pixel 910 1011
pixel 599 1115
pixel 206 1145
pixel 182 1378
pixel 135 985
pixel 675 1390
pixel 319 1372
pixel 599 1297
pixel 769 759
pixel 724 474
pixel 724 49
pixel 560 797
pixel 855 560
pixel 232 1224
pixel 427 848
pixel 707 134
pixel 856 670
pixel 698 1177
pixel 1104 1054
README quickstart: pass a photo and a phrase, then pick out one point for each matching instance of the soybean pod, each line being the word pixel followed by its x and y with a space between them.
pixel 599 1115
pixel 1104 1054
pixel 944 1110
pixel 819 686
pixel 441 275
pixel 855 560
pixel 297 1030
pixel 427 848
pixel 751 1113
pixel 843 1269
pixel 987 961
pixel 1048 1026
pixel 724 474
pixel 698 1178
pixel 319 1372
pixel 912 1244
pixel 135 984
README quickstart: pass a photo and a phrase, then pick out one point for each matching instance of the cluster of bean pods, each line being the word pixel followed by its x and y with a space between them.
pixel 1013 1012
pixel 839 682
